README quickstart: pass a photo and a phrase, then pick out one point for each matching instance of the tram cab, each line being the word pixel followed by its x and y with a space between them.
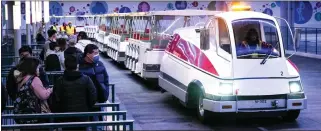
pixel 152 32
pixel 236 63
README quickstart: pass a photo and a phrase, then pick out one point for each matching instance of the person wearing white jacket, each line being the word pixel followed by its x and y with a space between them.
pixel 55 49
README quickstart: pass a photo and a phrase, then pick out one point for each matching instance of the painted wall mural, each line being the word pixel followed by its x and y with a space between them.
pixel 303 12
pixel 143 7
pixel 317 11
pixel 307 13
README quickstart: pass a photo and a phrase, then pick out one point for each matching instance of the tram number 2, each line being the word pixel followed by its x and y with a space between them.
pixel 260 101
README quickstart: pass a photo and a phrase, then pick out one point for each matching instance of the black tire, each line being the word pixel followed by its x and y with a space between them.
pixel 291 115
pixel 202 114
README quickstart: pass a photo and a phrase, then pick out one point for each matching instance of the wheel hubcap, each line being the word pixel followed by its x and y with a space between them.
pixel 200 106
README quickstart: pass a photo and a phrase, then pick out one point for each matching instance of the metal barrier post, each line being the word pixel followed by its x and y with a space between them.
pixel 113 93
pixel 51 120
pixel 131 126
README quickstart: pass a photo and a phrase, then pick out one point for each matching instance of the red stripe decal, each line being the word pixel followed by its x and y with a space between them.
pixel 191 54
pixel 293 65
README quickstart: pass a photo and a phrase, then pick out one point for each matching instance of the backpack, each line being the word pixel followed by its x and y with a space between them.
pixel 27 103
pixel 52 63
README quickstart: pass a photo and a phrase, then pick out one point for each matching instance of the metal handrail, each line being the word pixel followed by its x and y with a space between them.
pixel 69 114
pixel 72 124
pixel 113 105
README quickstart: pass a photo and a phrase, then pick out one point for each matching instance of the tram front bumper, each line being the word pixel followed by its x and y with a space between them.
pixel 257 105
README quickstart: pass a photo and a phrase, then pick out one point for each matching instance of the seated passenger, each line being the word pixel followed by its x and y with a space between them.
pixel 73 92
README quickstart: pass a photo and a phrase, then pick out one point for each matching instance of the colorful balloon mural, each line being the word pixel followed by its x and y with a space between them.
pixel 98 7
pixel 55 9
pixel 124 9
pixel 303 12
pixel 180 5
pixel 143 7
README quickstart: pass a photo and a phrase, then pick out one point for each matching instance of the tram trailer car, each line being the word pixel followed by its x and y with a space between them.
pixel 116 42
pixel 214 69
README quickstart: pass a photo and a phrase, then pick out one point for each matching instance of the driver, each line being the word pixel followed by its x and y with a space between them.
pixel 252 41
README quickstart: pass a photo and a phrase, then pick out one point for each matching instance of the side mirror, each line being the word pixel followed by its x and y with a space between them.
pixel 204 39
pixel 297 38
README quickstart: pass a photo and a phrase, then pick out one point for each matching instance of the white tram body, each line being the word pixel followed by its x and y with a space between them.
pixel 146 49
pixel 116 41
pixel 207 68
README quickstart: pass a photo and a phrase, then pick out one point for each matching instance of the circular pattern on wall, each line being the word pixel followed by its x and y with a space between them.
pixel 170 6
pixel 98 7
pixel 318 4
pixel 124 9
pixel 303 12
pixel 72 9
pixel 195 3
pixel 273 5
pixel 143 7
pixel 278 3
pixel 317 16
pixel 55 9
pixel 180 5
pixel 268 11
pixel 80 13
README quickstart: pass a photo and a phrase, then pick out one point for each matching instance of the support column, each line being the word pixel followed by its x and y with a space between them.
pixel 34 25
pixel 28 34
pixel 17 41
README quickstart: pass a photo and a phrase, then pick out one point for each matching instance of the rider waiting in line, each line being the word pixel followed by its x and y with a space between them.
pixel 54 57
pixel 40 36
pixel 31 95
pixel 73 92
pixel 91 66
pixel 24 52
pixel 52 34
pixel 72 49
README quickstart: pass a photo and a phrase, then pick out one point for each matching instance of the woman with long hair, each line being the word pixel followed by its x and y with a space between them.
pixel 32 95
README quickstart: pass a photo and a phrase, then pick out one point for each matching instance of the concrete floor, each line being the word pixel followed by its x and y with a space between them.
pixel 153 110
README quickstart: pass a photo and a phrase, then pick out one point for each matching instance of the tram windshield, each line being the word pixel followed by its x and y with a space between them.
pixel 256 39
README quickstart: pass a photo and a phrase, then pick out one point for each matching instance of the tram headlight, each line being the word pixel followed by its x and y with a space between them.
pixel 226 89
pixel 295 86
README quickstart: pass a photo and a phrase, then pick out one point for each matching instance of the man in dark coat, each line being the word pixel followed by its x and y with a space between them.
pixel 95 69
pixel 73 92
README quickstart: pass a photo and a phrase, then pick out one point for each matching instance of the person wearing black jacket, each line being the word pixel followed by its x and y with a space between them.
pixel 73 50
pixel 40 38
pixel 73 92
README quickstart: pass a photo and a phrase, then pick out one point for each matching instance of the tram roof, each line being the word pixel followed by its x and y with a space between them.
pixel 176 13
pixel 86 16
